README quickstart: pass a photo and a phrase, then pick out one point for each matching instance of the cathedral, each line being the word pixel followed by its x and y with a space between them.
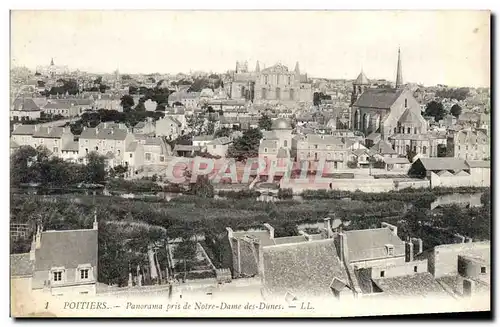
pixel 273 85
pixel 52 70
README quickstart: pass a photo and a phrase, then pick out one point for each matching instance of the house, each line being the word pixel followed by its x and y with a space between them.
pixel 156 150
pixel 108 102
pixel 169 126
pixel 52 138
pixel 63 108
pixel 316 147
pixel 118 145
pixel 62 262
pixel 24 109
pixel 145 127
pixel 384 149
pixel 219 146
pixel 187 99
pixel 70 150
pixel 468 144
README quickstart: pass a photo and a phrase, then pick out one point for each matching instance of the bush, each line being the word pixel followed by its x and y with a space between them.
pixel 140 185
pixel 352 164
pixel 285 193
pixel 243 194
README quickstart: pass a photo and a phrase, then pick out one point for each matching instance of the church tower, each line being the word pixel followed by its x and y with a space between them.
pixel 297 69
pixel 359 86
pixel 399 73
pixel 257 67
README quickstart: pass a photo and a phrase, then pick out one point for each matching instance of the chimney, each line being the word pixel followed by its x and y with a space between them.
pixel 418 242
pixel 270 229
pixel 328 227
pixel 38 237
pixel 36 127
pixel 393 228
pixel 343 248
pixel 49 129
pixel 95 226
pixel 409 251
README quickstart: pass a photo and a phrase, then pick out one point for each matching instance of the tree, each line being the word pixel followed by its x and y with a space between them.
pixel 224 131
pixel 210 129
pixel 202 188
pixel 246 146
pixel 20 165
pixel 265 122
pixel 456 110
pixel 95 171
pixel 140 107
pixel 435 109
pixel 127 102
pixel 185 252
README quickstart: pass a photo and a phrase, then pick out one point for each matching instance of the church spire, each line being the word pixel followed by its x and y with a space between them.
pixel 257 67
pixel 297 69
pixel 399 74
pixel 52 61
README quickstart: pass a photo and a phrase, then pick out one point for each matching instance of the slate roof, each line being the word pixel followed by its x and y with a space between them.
pixel 132 147
pixel 21 265
pixel 378 98
pixel 89 133
pixel 322 139
pixel 221 141
pixel 478 163
pixel 373 136
pixel 261 235
pixel 362 79
pixel 24 130
pixel 443 164
pixel 306 268
pixel 57 105
pixel 417 285
pixel 13 144
pixel 383 147
pixel 70 146
pixel 367 244
pixel 411 117
pixel 25 105
pixel 68 248
pixel 49 132
pixel 391 161
pixel 112 134
pixel 289 239
pixel 203 138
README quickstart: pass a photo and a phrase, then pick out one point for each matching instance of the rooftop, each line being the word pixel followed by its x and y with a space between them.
pixel 417 285
pixel 368 244
pixel 378 98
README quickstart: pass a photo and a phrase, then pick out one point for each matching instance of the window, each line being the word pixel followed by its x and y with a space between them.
pixel 406 103
pixel 55 149
pixel 57 276
pixel 408 130
pixel 131 155
pixel 162 158
pixel 96 148
pixel 389 249
pixel 415 269
pixel 415 130
pixel 84 274
pixel 148 156
pixel 265 149
pixel 424 149
pixel 382 273
pixel 395 130
pixel 483 270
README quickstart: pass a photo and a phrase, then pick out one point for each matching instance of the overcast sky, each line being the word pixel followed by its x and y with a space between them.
pixel 446 47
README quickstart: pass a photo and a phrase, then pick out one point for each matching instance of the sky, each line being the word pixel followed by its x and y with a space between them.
pixel 437 47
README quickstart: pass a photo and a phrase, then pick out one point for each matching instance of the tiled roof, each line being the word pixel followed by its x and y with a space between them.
pixel 21 265
pixel 378 98
pixel 24 130
pixel 443 164
pixel 306 268
pixel 370 243
pixel 417 285
pixel 68 248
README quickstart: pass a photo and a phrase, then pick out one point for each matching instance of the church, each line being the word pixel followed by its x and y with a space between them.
pixel 52 70
pixel 392 115
pixel 273 85
pixel 385 110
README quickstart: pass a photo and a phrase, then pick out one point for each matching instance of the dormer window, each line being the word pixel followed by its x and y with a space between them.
pixel 389 248
pixel 483 270
pixel 57 276
pixel 84 274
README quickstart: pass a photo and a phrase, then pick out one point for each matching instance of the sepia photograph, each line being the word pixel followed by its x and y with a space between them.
pixel 249 163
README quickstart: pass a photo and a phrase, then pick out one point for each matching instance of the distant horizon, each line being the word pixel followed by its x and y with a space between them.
pixel 437 47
